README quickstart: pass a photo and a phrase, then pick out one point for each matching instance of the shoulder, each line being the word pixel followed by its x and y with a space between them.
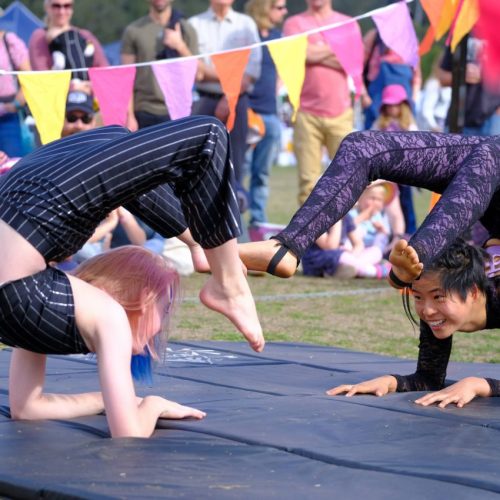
pixel 138 23
pixel 203 17
pixel 88 35
pixel 293 23
pixel 187 26
pixel 38 35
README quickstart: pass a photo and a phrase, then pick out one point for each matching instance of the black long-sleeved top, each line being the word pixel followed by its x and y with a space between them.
pixel 434 354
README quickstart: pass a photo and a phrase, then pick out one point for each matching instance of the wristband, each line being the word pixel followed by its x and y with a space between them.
pixel 17 104
pixel 398 282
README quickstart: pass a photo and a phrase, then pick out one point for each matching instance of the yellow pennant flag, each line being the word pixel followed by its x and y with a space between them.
pixel 289 57
pixel 447 16
pixel 46 94
pixel 467 18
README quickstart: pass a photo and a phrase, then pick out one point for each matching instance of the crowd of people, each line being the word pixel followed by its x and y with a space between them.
pixel 85 221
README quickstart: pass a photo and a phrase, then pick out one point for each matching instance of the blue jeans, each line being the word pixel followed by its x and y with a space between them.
pixel 261 160
pixel 489 127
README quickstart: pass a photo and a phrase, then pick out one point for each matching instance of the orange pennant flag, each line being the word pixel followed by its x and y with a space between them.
pixel 230 67
pixel 426 43
pixel 433 9
pixel 434 199
pixel 467 18
pixel 447 16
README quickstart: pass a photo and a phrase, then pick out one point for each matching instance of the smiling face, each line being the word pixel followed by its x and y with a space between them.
pixel 447 313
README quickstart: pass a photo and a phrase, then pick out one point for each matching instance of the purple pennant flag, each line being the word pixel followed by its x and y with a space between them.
pixel 397 32
pixel 176 80
pixel 346 43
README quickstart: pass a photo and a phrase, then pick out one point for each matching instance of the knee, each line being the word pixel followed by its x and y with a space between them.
pixel 216 130
pixel 357 141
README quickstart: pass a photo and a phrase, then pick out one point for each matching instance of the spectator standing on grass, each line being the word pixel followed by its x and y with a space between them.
pixel 221 28
pixel 60 45
pixel 163 33
pixel 267 14
pixel 325 114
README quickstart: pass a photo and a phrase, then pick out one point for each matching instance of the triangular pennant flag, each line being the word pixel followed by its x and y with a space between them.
pixel 112 88
pixel 176 80
pixel 434 199
pixel 230 67
pixel 434 10
pixel 46 94
pixel 466 19
pixel 397 32
pixel 346 43
pixel 447 15
pixel 289 56
pixel 426 43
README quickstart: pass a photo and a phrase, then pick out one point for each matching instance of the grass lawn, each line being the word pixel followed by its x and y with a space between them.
pixel 363 315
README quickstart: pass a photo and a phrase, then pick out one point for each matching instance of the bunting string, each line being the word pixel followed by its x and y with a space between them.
pixel 113 85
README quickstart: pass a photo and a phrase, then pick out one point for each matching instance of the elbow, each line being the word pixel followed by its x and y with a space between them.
pixel 22 412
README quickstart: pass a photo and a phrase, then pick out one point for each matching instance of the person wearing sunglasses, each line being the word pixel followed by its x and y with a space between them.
pixel 80 114
pixel 60 45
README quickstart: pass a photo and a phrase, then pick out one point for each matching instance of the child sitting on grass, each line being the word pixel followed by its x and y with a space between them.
pixel 354 246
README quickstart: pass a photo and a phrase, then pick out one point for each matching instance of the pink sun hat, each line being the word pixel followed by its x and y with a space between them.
pixel 394 94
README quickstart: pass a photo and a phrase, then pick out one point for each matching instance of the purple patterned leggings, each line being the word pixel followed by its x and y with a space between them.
pixel 465 170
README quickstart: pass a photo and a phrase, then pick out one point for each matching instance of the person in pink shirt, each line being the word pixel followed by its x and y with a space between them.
pixel 60 45
pixel 325 115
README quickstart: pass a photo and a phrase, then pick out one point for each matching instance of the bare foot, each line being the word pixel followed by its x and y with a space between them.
pixel 234 300
pixel 404 261
pixel 257 255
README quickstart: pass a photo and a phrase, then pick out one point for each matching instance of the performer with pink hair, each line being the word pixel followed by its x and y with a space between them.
pixel 50 204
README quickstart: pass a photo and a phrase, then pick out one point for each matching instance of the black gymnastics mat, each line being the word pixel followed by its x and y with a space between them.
pixel 270 433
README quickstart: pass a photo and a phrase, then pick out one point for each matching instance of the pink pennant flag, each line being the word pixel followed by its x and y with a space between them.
pixel 113 89
pixel 346 43
pixel 176 80
pixel 397 32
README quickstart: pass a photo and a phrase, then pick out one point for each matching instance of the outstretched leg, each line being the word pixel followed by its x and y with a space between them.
pixel 438 162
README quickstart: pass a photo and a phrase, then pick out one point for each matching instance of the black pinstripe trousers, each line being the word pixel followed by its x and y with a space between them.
pixel 173 176
pixel 170 175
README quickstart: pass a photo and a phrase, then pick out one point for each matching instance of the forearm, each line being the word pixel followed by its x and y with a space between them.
pixel 59 406
pixel 317 54
pixel 209 73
